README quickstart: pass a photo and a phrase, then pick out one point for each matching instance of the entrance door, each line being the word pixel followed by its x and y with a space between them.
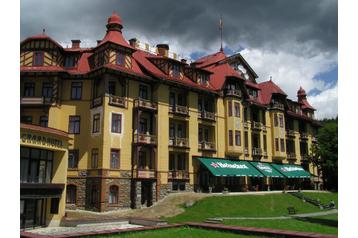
pixel 147 193
pixel 31 213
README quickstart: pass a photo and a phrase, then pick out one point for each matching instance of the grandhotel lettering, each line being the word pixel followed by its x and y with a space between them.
pixel 41 140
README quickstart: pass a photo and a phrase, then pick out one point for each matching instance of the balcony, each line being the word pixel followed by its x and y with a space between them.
pixel 290 133
pixel 278 106
pixel 246 151
pixel 257 125
pixel 178 174
pixel 205 115
pixel 233 92
pixel 179 109
pixel 145 173
pixel 117 101
pixel 145 104
pixel 264 128
pixel 246 125
pixel 179 142
pixel 96 102
pixel 140 138
pixel 291 156
pixel 257 152
pixel 35 101
pixel 303 136
pixel 264 153
pixel 205 145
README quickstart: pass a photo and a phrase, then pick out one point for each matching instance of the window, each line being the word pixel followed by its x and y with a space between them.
pixel 282 142
pixel 114 159
pixel 202 78
pixel 181 162
pixel 47 90
pixel 171 99
pixel 237 138
pixel 142 160
pixel 94 195
pixel 237 109
pixel 245 114
pixel 112 88
pixel 120 58
pixel 94 158
pixel 73 159
pixel 246 140
pixel 29 89
pixel 96 123
pixel 143 92
pixel 281 121
pixel 71 194
pixel 38 59
pixel 74 125
pixel 275 119
pixel 200 134
pixel 277 147
pixel 116 123
pixel 172 162
pixel 26 119
pixel 54 205
pixel 69 61
pixel 143 125
pixel 265 143
pixel 76 90
pixel 113 195
pixel 230 108
pixel 176 70
pixel 230 138
pixel 43 121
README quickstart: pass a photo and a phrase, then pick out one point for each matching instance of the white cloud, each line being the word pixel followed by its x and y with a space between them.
pixel 326 103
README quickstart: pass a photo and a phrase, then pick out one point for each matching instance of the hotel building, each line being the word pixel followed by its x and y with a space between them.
pixel 136 124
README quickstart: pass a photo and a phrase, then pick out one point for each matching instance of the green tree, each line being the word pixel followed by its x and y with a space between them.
pixel 324 154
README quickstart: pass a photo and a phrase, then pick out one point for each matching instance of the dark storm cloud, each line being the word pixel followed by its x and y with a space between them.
pixel 273 25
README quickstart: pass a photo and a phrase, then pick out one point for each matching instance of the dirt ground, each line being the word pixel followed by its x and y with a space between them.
pixel 167 207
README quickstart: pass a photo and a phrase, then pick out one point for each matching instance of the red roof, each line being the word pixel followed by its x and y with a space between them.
pixel 43 129
pixel 220 72
pixel 252 84
pixel 306 105
pixel 114 19
pixel 267 89
pixel 115 37
pixel 42 36
pixel 42 69
pixel 209 59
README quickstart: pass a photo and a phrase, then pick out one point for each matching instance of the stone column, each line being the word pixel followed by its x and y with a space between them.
pixel 138 194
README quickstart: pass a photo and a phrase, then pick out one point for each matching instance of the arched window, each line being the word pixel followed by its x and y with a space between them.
pixel 71 194
pixel 113 194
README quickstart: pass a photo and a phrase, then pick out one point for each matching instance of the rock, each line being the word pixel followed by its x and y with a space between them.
pixel 189 203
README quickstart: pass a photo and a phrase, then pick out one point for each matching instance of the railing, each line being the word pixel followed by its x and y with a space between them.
pixel 303 135
pixel 291 155
pixel 207 115
pixel 96 102
pixel 257 125
pixel 35 101
pixel 256 151
pixel 179 109
pixel 264 128
pixel 205 145
pixel 233 92
pixel 179 142
pixel 178 174
pixel 146 104
pixel 277 105
pixel 264 153
pixel 117 101
pixel 290 133
pixel 246 151
pixel 145 139
pixel 246 125
pixel 146 173
pixel 304 156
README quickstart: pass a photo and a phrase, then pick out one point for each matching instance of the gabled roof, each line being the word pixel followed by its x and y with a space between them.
pixel 220 74
pixel 267 89
pixel 306 105
pixel 42 36
pixel 209 59
pixel 115 37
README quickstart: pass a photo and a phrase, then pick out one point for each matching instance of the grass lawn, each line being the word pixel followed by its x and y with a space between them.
pixel 323 224
pixel 247 205
pixel 325 198
pixel 181 232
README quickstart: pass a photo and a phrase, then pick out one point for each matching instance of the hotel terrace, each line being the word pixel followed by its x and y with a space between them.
pixel 121 125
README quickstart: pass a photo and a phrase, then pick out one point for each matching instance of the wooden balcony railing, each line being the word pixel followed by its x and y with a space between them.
pixel 145 104
pixel 257 151
pixel 291 155
pixel 96 102
pixel 33 101
pixel 141 138
pixel 233 92
pixel 178 174
pixel 207 115
pixel 290 133
pixel 179 142
pixel 257 125
pixel 277 105
pixel 117 101
pixel 179 109
pixel 246 125
pixel 303 135
pixel 145 173
pixel 205 145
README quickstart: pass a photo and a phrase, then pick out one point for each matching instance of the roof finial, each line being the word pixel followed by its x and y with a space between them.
pixel 270 78
pixel 221 27
pixel 43 31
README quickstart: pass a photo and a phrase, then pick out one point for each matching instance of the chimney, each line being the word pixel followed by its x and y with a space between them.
pixel 183 61
pixel 163 50
pixel 76 43
pixel 133 42
pixel 98 42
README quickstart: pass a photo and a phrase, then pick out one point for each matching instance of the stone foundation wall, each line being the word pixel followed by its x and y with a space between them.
pixel 80 184
pixel 124 190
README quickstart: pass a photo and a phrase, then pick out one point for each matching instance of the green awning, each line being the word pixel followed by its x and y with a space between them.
pixel 292 171
pixel 221 167
pixel 267 170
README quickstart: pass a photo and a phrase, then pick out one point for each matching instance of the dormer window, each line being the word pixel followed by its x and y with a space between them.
pixel 203 79
pixel 38 58
pixel 176 71
pixel 120 59
pixel 69 62
pixel 253 93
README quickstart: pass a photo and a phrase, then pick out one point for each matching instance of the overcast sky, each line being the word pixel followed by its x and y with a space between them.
pixel 293 41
